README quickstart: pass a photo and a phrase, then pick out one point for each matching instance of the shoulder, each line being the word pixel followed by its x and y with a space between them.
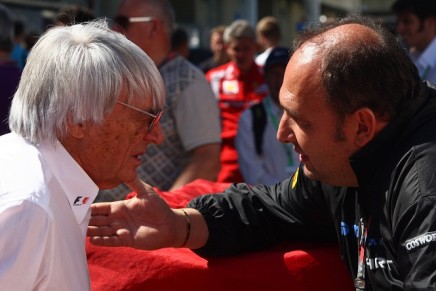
pixel 217 72
pixel 180 69
pixel 24 172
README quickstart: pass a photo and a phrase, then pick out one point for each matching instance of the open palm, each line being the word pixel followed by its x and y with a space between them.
pixel 143 222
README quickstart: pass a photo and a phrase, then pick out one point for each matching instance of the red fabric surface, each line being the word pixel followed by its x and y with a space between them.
pixel 290 266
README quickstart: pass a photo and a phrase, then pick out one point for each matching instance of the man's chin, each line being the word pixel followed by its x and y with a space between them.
pixel 333 180
pixel 117 181
pixel 309 174
pixel 313 174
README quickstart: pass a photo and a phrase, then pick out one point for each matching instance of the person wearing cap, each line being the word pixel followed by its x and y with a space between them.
pixel 262 158
pixel 237 85
pixel 417 26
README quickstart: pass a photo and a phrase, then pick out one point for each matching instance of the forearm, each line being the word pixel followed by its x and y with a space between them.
pixel 196 170
pixel 235 223
pixel 204 164
pixel 246 218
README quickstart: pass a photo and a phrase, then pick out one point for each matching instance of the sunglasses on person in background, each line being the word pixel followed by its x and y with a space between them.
pixel 124 21
pixel 155 117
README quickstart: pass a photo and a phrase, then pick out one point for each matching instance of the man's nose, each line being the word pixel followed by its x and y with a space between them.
pixel 155 135
pixel 285 133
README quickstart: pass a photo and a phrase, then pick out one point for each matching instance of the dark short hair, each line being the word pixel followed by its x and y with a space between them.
pixel 375 74
pixel 421 8
pixel 73 14
pixel 179 37
pixel 19 29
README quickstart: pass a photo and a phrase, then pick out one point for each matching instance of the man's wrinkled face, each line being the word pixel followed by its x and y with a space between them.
pixel 113 149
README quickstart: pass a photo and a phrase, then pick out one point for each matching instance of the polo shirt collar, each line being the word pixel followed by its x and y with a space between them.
pixel 79 189
pixel 427 59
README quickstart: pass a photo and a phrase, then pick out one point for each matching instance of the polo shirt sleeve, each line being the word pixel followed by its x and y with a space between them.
pixel 197 114
pixel 25 246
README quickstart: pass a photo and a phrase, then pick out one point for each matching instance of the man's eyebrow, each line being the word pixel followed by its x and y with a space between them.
pixel 294 114
pixel 290 112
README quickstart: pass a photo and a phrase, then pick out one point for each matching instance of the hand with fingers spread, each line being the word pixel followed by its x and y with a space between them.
pixel 145 222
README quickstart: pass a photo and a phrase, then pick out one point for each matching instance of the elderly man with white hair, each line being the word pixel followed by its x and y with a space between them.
pixel 87 106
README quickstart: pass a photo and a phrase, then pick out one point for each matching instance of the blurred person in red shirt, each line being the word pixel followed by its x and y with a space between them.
pixel 237 85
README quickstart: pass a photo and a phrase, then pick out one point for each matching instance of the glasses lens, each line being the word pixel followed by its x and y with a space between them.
pixel 155 120
pixel 120 22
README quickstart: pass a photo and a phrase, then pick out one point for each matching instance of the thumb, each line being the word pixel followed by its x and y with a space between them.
pixel 141 188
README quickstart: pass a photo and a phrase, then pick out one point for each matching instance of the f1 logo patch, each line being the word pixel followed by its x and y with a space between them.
pixel 80 200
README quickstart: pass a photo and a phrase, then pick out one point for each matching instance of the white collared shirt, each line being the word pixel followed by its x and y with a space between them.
pixel 261 58
pixel 426 62
pixel 45 199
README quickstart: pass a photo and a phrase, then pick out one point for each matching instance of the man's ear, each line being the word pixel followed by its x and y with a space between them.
pixel 367 126
pixel 76 130
pixel 157 28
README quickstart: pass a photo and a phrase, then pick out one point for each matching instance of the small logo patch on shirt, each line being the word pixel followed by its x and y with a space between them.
pixel 230 87
pixel 295 178
pixel 80 200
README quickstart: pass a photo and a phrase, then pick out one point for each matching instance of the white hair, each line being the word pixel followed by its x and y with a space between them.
pixel 75 74
pixel 239 29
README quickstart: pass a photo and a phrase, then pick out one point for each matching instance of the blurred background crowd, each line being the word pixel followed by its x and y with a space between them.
pixel 240 49
pixel 199 17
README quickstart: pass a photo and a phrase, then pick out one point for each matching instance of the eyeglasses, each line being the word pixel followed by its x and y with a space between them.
pixel 124 21
pixel 156 117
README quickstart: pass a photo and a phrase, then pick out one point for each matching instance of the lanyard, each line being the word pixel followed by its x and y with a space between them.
pixel 359 282
pixel 275 122
pixel 425 73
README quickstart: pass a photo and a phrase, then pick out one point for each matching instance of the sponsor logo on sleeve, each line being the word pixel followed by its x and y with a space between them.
pixel 420 241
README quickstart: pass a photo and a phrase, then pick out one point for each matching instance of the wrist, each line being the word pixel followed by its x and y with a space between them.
pixel 188 228
pixel 191 229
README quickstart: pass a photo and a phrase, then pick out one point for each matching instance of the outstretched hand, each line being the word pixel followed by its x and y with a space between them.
pixel 144 222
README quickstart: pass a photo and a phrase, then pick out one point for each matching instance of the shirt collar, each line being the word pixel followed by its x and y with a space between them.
pixel 79 189
pixel 426 59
